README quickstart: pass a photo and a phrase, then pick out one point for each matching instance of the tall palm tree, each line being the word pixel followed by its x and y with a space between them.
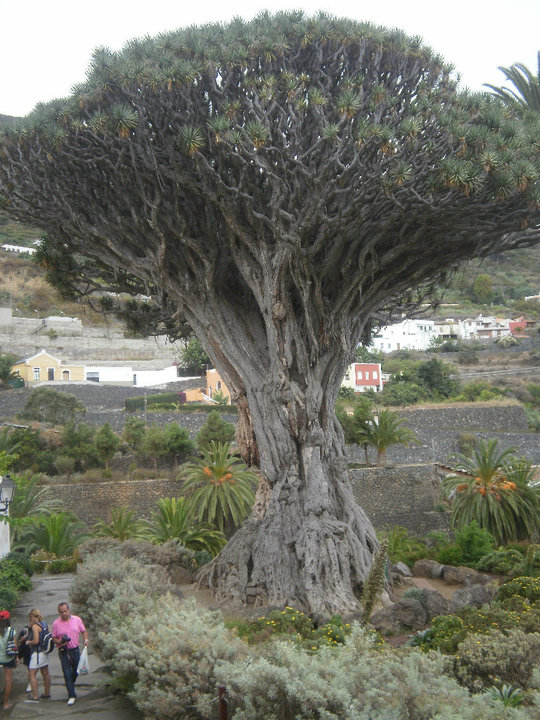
pixel 496 489
pixel 527 87
pixel 384 430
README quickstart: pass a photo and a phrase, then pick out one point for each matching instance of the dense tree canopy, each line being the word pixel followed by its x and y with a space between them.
pixel 278 184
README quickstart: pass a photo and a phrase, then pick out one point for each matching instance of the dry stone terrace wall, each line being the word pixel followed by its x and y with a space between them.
pixel 405 495
pixel 93 501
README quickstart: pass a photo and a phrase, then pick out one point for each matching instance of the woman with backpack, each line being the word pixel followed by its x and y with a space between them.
pixel 39 660
pixel 8 654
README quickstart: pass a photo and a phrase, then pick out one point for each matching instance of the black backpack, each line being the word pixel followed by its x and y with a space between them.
pixel 46 642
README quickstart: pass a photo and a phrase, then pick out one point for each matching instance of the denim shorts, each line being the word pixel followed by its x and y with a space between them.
pixel 10 663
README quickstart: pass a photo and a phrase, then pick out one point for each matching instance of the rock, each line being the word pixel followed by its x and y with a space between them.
pixel 478 579
pixel 400 568
pixel 472 596
pixel 427 568
pixel 457 575
pixel 435 604
pixel 408 614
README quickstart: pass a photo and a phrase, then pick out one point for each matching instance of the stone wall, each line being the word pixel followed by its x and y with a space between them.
pixel 405 495
pixel 93 501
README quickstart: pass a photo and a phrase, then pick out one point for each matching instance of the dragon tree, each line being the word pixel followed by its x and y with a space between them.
pixel 278 185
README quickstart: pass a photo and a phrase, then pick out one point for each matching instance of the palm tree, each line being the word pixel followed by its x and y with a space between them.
pixel 222 486
pixel 496 489
pixel 121 527
pixel 174 519
pixel 58 533
pixel 527 87
pixel 384 430
pixel 29 502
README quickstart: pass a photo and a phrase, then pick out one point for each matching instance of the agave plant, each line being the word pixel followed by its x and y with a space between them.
pixel 494 488
pixel 121 527
pixel 221 484
pixel 174 520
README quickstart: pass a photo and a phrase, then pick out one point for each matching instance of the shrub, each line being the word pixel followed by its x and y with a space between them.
pixel 11 575
pixel 9 597
pixel 523 587
pixel 497 659
pixel 470 544
pixel 21 559
pixel 65 565
pixel 215 429
pixel 402 547
pixel 501 561
pixel 354 681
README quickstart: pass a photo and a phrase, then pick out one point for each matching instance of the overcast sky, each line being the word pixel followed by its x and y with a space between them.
pixel 45 45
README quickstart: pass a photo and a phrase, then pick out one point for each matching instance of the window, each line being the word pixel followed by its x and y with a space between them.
pixel 65 375
pixel 37 373
pixel 359 375
pixel 92 376
pixel 50 373
pixel 375 375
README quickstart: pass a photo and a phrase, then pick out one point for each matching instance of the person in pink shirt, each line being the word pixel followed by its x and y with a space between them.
pixel 66 631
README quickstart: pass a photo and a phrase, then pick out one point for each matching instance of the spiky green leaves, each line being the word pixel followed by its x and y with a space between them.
pixel 221 484
pixel 496 489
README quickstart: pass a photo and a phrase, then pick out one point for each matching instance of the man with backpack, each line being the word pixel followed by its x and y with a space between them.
pixel 66 631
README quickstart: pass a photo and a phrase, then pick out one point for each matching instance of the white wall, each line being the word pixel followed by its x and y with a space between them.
pixel 4 538
pixel 144 378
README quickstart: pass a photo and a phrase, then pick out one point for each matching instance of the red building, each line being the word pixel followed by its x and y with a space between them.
pixel 363 376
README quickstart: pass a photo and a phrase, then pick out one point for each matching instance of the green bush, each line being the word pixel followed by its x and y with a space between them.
pixel 403 547
pixel 469 546
pixel 527 588
pixel 12 575
pixel 66 565
pixel 21 559
pixel 497 659
pixel 9 597
pixel 501 561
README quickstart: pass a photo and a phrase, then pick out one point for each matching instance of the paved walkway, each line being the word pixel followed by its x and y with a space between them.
pixel 95 701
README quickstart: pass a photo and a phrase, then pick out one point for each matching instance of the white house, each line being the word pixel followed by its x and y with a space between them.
pixel 126 375
pixel 484 328
pixel 412 334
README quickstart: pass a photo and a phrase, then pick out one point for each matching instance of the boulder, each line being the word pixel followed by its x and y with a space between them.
pixel 472 596
pixel 400 568
pixel 406 614
pixel 435 604
pixel 478 579
pixel 427 568
pixel 457 575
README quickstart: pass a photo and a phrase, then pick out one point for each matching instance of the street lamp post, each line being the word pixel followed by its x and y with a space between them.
pixel 7 488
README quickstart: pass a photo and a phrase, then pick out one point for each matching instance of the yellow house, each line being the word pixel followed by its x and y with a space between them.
pixel 43 367
pixel 214 384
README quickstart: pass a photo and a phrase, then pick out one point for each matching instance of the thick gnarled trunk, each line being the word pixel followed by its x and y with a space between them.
pixel 307 543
